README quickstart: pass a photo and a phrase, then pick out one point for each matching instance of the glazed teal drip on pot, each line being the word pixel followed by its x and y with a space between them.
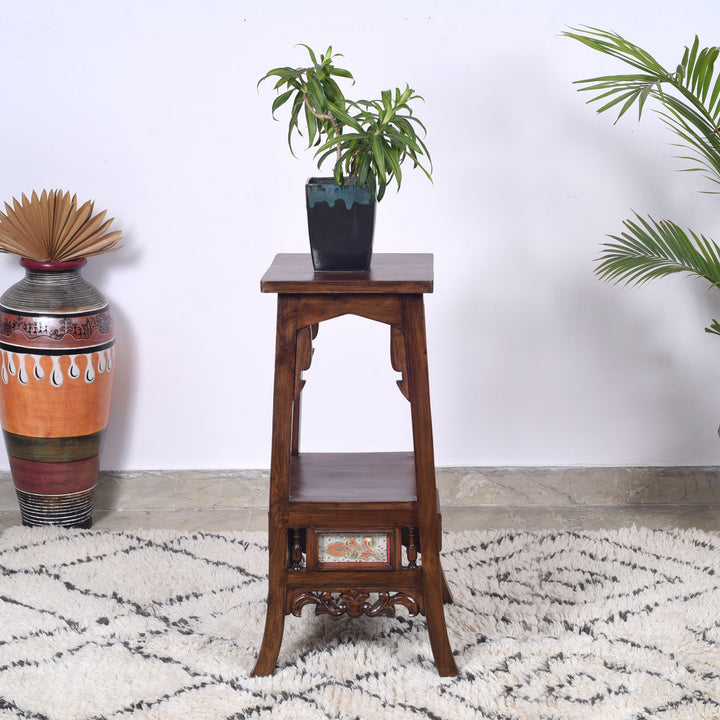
pixel 331 192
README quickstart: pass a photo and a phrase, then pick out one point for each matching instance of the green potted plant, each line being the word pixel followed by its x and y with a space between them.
pixel 369 140
pixel 688 102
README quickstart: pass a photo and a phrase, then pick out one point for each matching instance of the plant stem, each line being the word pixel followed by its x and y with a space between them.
pixel 329 116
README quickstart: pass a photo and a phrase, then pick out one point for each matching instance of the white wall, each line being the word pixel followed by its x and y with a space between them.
pixel 150 108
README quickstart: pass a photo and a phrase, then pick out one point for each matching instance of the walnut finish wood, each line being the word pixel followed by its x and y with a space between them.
pixel 353 603
pixel 372 580
pixel 353 478
pixel 352 515
pixel 285 353
pixel 419 390
pixel 352 491
pixel 389 272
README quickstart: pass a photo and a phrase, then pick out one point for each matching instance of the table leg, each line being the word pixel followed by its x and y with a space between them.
pixel 446 594
pixel 285 360
pixel 434 587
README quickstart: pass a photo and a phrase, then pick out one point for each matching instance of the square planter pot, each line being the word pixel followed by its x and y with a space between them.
pixel 341 224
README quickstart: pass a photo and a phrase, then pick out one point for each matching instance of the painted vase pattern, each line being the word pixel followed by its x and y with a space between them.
pixel 56 369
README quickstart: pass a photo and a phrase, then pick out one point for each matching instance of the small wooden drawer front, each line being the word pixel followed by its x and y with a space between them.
pixel 360 548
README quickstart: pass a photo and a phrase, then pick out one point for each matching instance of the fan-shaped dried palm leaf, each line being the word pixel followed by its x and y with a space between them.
pixel 52 228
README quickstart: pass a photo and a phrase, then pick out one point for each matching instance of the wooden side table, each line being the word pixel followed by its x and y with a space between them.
pixel 353 533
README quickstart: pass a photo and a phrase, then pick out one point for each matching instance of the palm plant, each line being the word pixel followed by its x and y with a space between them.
pixel 688 100
pixel 370 139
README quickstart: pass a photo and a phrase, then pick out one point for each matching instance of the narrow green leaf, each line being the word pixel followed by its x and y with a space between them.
pixel 391 159
pixel 379 155
pixel 281 100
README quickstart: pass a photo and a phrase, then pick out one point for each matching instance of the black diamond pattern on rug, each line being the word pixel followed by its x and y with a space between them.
pixel 163 624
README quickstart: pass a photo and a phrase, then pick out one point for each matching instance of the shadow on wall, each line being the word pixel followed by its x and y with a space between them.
pixel 650 395
pixel 553 367
pixel 586 375
pixel 124 396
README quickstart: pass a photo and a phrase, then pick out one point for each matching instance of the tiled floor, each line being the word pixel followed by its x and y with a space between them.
pixel 471 498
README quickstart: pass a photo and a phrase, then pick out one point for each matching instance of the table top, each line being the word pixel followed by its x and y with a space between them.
pixel 389 273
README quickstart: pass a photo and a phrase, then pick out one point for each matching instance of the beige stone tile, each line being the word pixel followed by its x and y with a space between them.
pixel 9 518
pixel 8 497
pixel 258 519
pixel 658 517
pixel 187 519
pixel 515 487
pixel 455 518
pixel 217 489
pixel 580 517
pixel 532 486
pixel 471 498
pixel 675 485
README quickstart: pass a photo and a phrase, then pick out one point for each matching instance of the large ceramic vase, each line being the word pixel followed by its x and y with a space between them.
pixel 56 370
pixel 341 225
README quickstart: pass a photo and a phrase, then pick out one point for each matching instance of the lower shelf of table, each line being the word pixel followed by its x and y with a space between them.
pixel 354 490
pixel 353 478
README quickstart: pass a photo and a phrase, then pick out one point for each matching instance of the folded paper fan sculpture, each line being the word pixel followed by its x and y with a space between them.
pixel 52 228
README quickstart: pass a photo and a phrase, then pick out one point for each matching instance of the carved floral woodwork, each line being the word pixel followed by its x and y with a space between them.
pixel 355 603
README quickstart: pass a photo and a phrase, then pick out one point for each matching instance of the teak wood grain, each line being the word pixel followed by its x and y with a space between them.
pixel 365 492
pixel 389 272
pixel 353 478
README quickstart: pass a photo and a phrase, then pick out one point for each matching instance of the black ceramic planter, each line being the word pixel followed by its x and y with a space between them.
pixel 341 223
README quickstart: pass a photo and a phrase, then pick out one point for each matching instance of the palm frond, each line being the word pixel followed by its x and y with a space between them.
pixel 688 102
pixel 688 98
pixel 649 249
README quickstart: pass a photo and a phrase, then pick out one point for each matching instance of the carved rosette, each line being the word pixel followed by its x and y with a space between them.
pixel 354 603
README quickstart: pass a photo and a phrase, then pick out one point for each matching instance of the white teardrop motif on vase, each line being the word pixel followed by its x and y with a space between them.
pixel 73 370
pixel 56 376
pixel 89 370
pixel 22 372
pixel 38 370
pixel 16 366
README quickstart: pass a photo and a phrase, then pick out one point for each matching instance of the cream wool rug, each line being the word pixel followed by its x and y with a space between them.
pixel 163 624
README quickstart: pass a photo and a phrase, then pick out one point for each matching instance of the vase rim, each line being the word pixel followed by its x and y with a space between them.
pixel 52 265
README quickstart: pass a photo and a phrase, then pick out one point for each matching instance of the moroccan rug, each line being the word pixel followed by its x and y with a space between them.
pixel 166 625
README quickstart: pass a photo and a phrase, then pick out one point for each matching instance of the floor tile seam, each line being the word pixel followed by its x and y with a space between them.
pixel 444 507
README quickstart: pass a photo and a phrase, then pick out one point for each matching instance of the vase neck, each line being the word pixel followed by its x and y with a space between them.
pixel 41 266
pixel 52 288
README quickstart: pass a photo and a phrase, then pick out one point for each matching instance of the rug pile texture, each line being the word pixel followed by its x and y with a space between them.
pixel 163 624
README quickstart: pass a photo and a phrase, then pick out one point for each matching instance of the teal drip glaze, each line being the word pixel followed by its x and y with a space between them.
pixel 330 193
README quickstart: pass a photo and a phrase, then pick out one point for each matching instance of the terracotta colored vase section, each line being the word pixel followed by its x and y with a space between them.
pixel 56 370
